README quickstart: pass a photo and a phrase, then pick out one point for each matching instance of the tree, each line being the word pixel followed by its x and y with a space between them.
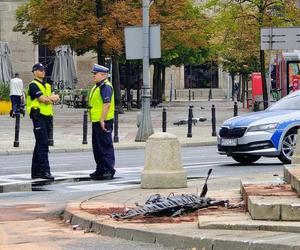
pixel 237 26
pixel 53 23
pixel 77 23
pixel 184 38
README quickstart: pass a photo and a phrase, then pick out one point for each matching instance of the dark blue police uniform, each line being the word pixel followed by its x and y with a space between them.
pixel 40 167
pixel 102 140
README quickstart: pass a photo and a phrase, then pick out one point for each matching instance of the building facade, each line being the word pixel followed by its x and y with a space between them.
pixel 24 54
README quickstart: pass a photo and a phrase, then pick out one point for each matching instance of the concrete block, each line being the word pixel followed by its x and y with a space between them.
pixel 81 221
pixel 67 216
pixel 171 240
pixel 124 233
pixel 275 208
pixel 96 227
pixel 290 212
pixel 198 243
pixel 143 236
pixel 294 175
pixel 261 209
pixel 286 173
pixel 231 245
pixel 16 187
pixel 163 166
pixel 296 155
pixel 266 246
pixel 107 230
pixel 76 220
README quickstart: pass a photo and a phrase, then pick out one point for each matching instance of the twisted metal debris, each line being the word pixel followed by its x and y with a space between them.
pixel 173 205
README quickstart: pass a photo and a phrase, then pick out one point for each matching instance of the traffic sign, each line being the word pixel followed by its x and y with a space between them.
pixel 280 38
pixel 134 42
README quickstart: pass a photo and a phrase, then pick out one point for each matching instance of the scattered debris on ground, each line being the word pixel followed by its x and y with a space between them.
pixel 173 205
pixel 170 209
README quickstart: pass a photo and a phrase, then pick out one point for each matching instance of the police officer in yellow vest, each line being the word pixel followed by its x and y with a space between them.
pixel 101 108
pixel 39 100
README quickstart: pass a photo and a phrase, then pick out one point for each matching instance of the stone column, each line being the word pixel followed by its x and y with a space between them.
pixel 296 155
pixel 163 166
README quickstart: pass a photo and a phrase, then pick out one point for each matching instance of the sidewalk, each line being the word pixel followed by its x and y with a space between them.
pixel 187 232
pixel 68 127
pixel 210 229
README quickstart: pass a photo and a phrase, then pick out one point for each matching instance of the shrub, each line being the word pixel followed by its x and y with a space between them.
pixel 4 92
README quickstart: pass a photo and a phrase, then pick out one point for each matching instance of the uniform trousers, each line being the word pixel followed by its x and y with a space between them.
pixel 41 128
pixel 103 148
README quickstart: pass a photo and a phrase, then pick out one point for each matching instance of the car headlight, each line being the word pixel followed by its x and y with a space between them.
pixel 264 127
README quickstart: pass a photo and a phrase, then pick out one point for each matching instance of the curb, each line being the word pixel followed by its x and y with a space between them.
pixel 27 186
pixel 74 216
pixel 170 240
pixel 117 147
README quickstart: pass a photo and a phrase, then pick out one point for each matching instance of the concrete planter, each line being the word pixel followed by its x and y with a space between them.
pixel 5 107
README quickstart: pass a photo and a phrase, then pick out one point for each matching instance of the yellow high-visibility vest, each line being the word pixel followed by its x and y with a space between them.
pixel 45 109
pixel 96 103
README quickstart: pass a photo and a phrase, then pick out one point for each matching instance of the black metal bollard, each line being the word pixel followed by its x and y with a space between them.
pixel 256 106
pixel 50 136
pixel 235 109
pixel 190 121
pixel 164 120
pixel 213 120
pixel 189 95
pixel 175 94
pixel 85 127
pixel 116 125
pixel 17 130
pixel 193 95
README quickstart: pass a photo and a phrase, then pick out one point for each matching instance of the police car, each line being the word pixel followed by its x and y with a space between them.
pixel 270 133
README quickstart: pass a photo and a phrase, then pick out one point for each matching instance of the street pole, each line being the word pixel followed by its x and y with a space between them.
pixel 145 129
pixel 99 13
pixel 270 61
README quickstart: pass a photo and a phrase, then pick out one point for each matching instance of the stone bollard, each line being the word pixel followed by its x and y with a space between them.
pixel 163 166
pixel 296 155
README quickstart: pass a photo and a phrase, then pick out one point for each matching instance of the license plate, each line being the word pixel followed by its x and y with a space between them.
pixel 228 142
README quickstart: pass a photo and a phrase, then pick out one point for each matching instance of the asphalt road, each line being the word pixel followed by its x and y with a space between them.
pixel 25 215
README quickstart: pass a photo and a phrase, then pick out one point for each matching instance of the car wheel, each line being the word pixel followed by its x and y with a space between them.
pixel 246 159
pixel 287 147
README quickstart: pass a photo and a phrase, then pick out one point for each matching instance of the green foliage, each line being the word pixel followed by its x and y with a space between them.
pixel 182 55
pixel 4 92
pixel 236 28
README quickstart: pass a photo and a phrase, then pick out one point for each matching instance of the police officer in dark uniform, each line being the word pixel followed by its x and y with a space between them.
pixel 39 100
pixel 101 110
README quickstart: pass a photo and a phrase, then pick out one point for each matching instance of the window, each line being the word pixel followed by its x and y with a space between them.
pixel 201 76
pixel 46 57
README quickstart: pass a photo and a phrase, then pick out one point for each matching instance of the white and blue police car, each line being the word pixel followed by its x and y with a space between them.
pixel 270 133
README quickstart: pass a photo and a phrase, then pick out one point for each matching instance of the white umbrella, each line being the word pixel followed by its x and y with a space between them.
pixel 64 74
pixel 6 72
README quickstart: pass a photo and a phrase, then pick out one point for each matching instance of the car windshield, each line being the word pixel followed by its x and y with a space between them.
pixel 290 102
